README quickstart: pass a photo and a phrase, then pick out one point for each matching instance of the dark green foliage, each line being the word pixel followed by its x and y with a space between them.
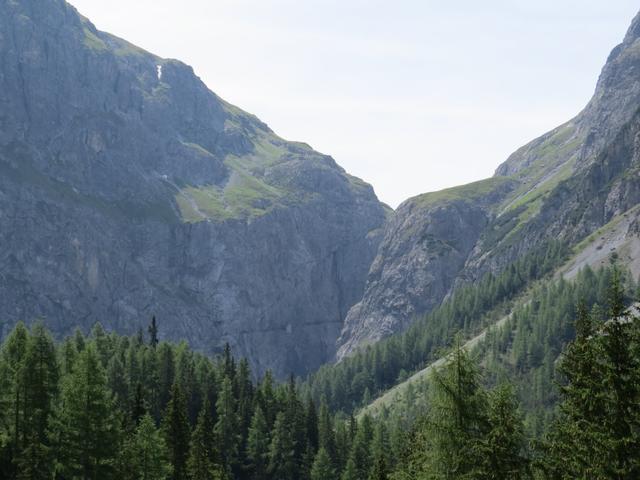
pixel 502 451
pixel 322 468
pixel 64 415
pixel 153 332
pixel 176 432
pixel 258 446
pixel 86 426
pixel 200 464
pixel 226 428
pixel 468 432
pixel 598 432
pixel 90 407
pixel 351 383
pixel 146 453
pixel 281 452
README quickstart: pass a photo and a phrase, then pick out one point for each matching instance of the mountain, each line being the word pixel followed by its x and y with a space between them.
pixel 128 189
pixel 565 185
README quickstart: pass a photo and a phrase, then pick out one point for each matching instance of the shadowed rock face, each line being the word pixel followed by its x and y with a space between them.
pixel 128 189
pixel 564 185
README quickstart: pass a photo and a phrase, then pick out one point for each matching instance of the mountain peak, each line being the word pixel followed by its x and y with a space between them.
pixel 634 30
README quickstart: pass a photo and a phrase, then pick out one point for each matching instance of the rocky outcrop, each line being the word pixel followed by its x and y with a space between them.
pixel 128 189
pixel 564 185
pixel 423 251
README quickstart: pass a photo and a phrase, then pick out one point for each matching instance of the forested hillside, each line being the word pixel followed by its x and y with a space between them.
pixel 109 406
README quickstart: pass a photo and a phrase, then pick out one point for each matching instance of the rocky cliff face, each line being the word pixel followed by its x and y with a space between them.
pixel 128 189
pixel 424 250
pixel 564 185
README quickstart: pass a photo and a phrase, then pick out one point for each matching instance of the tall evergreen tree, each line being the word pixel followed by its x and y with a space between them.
pixel 322 468
pixel 147 454
pixel 501 452
pixel 258 446
pixel 281 452
pixel 201 465
pixel 153 332
pixel 455 422
pixel 176 432
pixel 622 381
pixel 326 435
pixel 226 428
pixel 39 376
pixel 86 426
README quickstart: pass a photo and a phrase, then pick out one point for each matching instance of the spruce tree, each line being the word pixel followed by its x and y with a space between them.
pixel 258 446
pixel 39 375
pixel 226 428
pixel 322 468
pixel 88 430
pixel 148 457
pixel 575 446
pixel 201 464
pixel 350 471
pixel 176 432
pixel 501 452
pixel 153 332
pixel 380 449
pixel 281 452
pixel 622 383
pixel 311 417
pixel 456 420
pixel 326 436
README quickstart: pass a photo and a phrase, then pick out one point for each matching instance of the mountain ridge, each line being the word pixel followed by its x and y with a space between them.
pixel 129 189
pixel 554 168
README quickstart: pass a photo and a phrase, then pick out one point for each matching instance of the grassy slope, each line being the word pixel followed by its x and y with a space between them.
pixel 600 241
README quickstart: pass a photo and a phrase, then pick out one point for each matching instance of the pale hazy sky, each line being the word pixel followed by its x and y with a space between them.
pixel 410 95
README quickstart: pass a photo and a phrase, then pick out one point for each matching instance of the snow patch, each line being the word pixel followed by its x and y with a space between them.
pixel 159 70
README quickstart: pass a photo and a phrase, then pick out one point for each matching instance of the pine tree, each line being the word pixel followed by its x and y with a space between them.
pixel 39 375
pixel 350 471
pixel 575 445
pixel 87 428
pixel 456 420
pixel 501 451
pixel 281 452
pixel 379 470
pixel 258 446
pixel 153 332
pixel 226 428
pixel 13 351
pixel 201 465
pixel 621 381
pixel 138 409
pixel 359 455
pixel 380 449
pixel 176 432
pixel 148 457
pixel 295 421
pixel 311 417
pixel 166 373
pixel 322 468
pixel 326 436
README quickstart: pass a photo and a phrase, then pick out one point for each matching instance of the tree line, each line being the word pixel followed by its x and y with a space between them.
pixel 106 406
pixel 356 380
pixel 471 431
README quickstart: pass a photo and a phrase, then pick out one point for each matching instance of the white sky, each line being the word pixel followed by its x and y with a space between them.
pixel 410 95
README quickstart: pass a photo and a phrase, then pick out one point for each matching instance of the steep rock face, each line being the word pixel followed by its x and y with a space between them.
pixel 423 251
pixel 564 185
pixel 128 189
